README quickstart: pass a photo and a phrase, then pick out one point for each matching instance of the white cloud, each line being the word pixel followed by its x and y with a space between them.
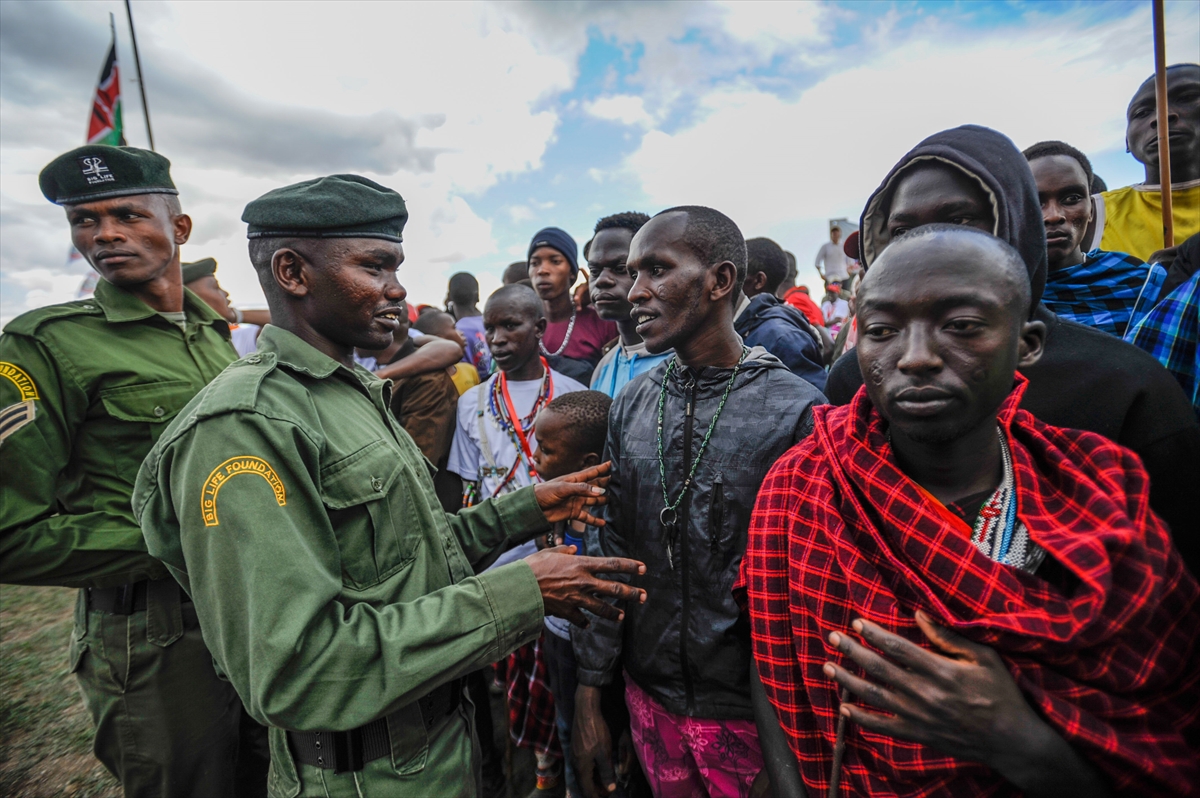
pixel 771 162
pixel 628 109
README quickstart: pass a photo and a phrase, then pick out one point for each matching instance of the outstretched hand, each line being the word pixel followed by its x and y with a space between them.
pixel 963 702
pixel 568 497
pixel 569 583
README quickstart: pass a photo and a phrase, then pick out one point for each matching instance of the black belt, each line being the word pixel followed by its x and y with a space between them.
pixel 123 599
pixel 352 750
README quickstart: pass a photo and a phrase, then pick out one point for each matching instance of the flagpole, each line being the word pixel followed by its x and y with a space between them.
pixel 137 62
pixel 1164 146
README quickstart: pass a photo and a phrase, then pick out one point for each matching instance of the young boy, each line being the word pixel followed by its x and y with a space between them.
pixel 570 432
pixel 495 440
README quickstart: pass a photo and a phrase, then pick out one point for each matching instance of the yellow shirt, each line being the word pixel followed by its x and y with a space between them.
pixel 465 377
pixel 1130 219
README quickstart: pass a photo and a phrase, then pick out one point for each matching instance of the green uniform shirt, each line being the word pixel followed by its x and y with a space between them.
pixel 301 518
pixel 87 388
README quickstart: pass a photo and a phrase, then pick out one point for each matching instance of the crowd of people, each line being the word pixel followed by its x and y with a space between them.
pixel 935 535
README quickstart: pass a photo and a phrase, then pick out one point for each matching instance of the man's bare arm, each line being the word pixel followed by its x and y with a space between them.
pixel 432 354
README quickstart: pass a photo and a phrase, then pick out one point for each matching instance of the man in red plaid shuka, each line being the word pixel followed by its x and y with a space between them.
pixel 1001 608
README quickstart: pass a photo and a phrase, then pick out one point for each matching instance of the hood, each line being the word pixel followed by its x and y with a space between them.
pixel 764 307
pixel 709 378
pixel 998 166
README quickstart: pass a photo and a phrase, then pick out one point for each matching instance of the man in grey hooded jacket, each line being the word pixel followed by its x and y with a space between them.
pixel 690 443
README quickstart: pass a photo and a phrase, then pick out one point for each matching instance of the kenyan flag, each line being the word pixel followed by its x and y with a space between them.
pixel 104 126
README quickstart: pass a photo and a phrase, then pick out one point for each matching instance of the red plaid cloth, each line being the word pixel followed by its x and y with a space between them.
pixel 531 722
pixel 839 532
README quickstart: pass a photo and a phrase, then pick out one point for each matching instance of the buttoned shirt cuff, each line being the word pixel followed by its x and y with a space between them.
pixel 516 601
pixel 520 515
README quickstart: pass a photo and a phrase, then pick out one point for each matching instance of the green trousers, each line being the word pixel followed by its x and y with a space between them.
pixel 444 763
pixel 166 724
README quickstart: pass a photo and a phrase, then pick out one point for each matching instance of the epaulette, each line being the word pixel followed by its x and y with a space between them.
pixel 28 323
pixel 608 347
pixel 236 388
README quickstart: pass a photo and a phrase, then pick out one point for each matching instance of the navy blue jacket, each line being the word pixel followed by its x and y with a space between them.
pixel 784 332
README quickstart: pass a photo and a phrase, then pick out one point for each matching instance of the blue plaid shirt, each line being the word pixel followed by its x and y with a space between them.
pixel 1100 292
pixel 1169 329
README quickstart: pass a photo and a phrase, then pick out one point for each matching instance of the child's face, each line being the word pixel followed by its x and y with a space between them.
pixel 556 455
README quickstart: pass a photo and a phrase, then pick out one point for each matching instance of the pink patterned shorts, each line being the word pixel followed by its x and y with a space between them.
pixel 692 757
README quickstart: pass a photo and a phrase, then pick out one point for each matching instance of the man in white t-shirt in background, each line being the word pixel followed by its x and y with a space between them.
pixel 832 263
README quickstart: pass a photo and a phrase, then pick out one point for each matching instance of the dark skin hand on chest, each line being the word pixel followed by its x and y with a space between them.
pixel 133 242
pixel 943 321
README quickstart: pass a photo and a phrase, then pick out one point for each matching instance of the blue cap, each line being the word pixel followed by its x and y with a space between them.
pixel 559 239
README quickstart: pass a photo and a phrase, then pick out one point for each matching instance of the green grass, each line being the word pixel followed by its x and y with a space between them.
pixel 45 732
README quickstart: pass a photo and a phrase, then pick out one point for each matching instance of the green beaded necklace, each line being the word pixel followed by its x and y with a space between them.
pixel 669 514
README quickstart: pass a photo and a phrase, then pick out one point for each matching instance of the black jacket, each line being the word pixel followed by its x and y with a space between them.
pixel 785 333
pixel 688 645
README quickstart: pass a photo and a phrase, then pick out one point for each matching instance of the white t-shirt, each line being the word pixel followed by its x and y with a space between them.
pixel 838 308
pixel 245 338
pixel 835 262
pixel 466 454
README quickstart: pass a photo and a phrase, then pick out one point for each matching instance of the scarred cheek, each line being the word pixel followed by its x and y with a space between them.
pixel 875 373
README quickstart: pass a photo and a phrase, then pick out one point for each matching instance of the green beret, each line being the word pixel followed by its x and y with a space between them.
pixel 197 269
pixel 338 206
pixel 100 171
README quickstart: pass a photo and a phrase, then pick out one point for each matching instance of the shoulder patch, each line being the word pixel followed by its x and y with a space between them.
pixel 28 323
pixel 17 376
pixel 236 466
pixel 23 412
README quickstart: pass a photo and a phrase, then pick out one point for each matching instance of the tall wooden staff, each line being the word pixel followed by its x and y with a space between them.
pixel 1164 142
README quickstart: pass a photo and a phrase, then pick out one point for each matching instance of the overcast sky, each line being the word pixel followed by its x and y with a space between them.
pixel 496 119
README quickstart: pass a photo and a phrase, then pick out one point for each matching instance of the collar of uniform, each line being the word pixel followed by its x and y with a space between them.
pixel 120 305
pixel 294 353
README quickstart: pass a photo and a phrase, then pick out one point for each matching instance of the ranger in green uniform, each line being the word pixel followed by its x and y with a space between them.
pixel 334 592
pixel 87 388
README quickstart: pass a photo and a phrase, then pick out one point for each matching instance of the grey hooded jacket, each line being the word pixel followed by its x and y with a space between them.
pixel 688 645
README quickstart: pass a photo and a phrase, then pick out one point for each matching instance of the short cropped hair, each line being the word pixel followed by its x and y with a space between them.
pixel 626 220
pixel 1012 259
pixel 588 413
pixel 714 238
pixel 764 255
pixel 432 321
pixel 463 288
pixel 521 296
pixel 1044 149
pixel 515 272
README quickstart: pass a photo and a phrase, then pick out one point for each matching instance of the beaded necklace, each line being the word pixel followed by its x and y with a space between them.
pixel 501 407
pixel 565 341
pixel 670 514
pixel 998 533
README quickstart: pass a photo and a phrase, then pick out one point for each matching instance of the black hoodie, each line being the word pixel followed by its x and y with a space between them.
pixel 1085 379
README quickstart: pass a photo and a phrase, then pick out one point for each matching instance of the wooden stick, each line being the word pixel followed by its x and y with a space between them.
pixel 839 747
pixel 1164 142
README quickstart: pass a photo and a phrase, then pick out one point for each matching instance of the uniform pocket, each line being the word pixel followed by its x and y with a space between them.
pixel 149 402
pixel 410 741
pixel 366 503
